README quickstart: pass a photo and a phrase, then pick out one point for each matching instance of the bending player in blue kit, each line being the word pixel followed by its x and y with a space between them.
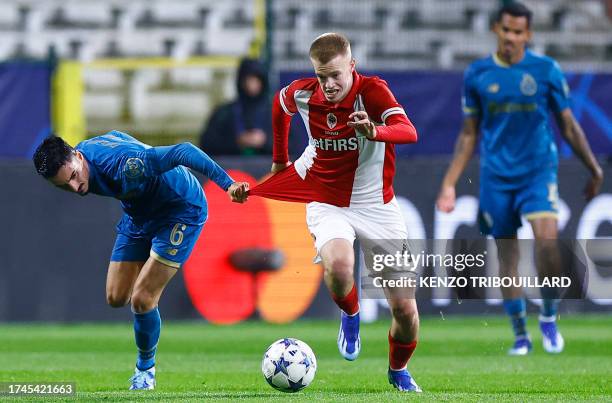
pixel 164 211
pixel 507 97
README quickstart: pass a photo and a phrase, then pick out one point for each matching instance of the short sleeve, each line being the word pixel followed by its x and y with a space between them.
pixel 559 97
pixel 379 101
pixel 469 100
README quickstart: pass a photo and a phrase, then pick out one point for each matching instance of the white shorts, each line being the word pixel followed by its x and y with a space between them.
pixel 368 224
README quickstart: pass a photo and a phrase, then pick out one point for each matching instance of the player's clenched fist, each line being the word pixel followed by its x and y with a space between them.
pixel 238 192
pixel 362 123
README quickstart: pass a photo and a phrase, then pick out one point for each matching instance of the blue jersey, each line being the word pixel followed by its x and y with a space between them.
pixel 152 183
pixel 512 103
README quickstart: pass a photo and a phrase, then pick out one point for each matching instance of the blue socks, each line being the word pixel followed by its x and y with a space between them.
pixel 550 302
pixel 146 331
pixel 517 310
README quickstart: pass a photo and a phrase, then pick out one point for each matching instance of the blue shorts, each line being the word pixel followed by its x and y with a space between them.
pixel 502 205
pixel 169 242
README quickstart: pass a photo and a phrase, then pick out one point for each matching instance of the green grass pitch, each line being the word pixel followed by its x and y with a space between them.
pixel 458 359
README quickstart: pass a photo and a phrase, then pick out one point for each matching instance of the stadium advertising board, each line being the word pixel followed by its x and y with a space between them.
pixel 213 289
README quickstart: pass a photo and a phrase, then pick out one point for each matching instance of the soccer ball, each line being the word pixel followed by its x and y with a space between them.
pixel 289 365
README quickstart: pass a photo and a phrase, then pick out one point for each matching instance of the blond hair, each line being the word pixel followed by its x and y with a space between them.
pixel 327 46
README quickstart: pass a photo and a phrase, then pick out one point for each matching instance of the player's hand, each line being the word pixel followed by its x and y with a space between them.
pixel 446 199
pixel 279 166
pixel 593 185
pixel 238 192
pixel 362 123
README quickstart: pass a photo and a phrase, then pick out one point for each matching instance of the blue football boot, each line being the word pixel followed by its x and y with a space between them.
pixel 349 342
pixel 522 345
pixel 143 380
pixel 402 381
pixel 551 338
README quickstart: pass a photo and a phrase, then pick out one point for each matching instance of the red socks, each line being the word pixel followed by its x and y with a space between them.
pixel 400 353
pixel 349 303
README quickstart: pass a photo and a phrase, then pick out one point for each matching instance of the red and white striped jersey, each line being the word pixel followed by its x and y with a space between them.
pixel 346 167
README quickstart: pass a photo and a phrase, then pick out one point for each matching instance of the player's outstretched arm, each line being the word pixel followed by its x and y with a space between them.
pixel 186 154
pixel 464 149
pixel 572 132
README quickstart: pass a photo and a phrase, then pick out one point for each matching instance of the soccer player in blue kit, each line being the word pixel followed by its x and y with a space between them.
pixel 507 97
pixel 164 211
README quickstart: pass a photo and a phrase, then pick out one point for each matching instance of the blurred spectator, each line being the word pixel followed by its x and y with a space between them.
pixel 244 125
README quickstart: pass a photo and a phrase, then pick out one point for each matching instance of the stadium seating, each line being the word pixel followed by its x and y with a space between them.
pixel 400 34
pixel 386 35
pixel 86 30
pixel 425 33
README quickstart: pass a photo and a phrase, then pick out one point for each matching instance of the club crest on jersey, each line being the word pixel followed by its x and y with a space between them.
pixel 133 168
pixel 528 85
pixel 332 120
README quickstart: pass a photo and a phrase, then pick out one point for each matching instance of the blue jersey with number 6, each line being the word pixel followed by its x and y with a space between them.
pixel 164 204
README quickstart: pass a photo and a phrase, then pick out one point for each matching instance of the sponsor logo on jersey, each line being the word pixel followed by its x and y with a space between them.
pixel 528 85
pixel 510 107
pixel 332 120
pixel 348 144
pixel 493 88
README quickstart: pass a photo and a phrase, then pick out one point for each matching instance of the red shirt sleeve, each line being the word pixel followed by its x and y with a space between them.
pixel 383 108
pixel 283 108
pixel 398 130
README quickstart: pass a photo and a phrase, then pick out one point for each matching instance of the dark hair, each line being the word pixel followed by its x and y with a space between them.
pixel 329 45
pixel 51 155
pixel 515 9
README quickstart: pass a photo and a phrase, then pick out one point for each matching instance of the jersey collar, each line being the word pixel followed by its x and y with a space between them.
pixel 498 61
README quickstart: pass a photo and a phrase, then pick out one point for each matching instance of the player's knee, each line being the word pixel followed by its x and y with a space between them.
pixel 405 311
pixel 143 302
pixel 340 266
pixel 117 300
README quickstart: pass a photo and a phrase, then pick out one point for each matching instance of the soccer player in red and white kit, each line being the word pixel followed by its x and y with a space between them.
pixel 353 122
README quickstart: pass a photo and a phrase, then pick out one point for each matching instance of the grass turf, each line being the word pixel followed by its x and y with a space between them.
pixel 458 359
